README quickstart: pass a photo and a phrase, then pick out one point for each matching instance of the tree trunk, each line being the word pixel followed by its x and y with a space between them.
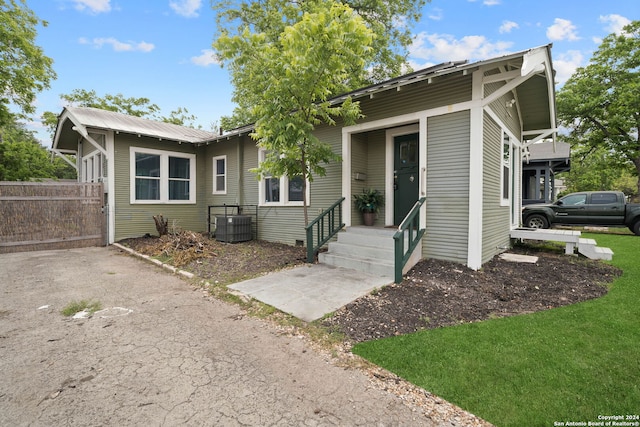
pixel 162 225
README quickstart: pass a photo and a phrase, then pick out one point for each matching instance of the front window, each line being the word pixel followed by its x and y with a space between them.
pixel 220 175
pixel 282 191
pixel 162 176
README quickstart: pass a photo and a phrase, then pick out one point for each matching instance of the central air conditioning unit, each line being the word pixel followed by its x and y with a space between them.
pixel 233 228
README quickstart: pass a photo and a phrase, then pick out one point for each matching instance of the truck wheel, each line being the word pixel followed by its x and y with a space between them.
pixel 536 221
pixel 635 228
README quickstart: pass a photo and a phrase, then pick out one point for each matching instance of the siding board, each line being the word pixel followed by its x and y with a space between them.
pixel 495 221
pixel 448 139
pixel 134 220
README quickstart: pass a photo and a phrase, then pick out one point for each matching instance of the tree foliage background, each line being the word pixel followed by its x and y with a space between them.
pixel 390 21
pixel 600 105
pixel 24 68
pixel 290 80
pixel 22 158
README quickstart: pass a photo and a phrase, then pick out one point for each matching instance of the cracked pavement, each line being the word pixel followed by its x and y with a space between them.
pixel 178 357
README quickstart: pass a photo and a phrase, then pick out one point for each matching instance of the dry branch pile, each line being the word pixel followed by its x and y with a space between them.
pixel 183 247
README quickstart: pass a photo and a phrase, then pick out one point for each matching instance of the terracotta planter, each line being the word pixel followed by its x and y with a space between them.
pixel 369 218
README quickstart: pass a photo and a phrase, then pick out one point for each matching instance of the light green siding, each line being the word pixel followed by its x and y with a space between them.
pixel 367 157
pixel 447 205
pixel 495 221
pixel 228 148
pixel 134 220
pixel 445 90
pixel 504 109
pixel 286 223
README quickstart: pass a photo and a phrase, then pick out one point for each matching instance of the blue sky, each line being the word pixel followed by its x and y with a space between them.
pixel 161 49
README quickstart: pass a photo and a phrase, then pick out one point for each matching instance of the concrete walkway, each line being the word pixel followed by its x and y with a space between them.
pixel 311 291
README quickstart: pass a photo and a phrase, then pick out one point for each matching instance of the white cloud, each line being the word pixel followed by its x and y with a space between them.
pixel 507 26
pixel 491 2
pixel 562 29
pixel 435 14
pixel 206 58
pixel 93 6
pixel 445 47
pixel 117 45
pixel 566 64
pixel 186 8
pixel 615 23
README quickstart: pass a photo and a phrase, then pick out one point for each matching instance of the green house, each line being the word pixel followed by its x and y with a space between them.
pixel 451 135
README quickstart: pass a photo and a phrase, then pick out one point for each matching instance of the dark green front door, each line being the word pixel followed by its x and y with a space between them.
pixel 406 180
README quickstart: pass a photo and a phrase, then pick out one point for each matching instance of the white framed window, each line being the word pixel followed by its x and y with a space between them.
pixel 93 167
pixel 283 191
pixel 506 176
pixel 94 164
pixel 162 176
pixel 220 175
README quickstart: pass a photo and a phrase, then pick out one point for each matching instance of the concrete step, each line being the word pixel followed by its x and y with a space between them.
pixel 362 251
pixel 588 248
pixel 376 238
pixel 367 265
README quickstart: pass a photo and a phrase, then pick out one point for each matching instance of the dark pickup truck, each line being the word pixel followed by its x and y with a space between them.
pixel 604 208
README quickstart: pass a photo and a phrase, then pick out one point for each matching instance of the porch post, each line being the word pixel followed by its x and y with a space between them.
pixel 346 177
pixel 423 138
pixel 474 248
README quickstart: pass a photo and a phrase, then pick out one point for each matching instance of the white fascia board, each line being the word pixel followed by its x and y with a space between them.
pixel 534 61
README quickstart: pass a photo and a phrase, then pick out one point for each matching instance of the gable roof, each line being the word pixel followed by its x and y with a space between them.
pixel 538 112
pixel 74 120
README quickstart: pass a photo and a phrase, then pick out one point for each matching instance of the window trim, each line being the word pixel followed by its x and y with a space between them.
pixel 164 176
pixel 506 139
pixel 284 188
pixel 214 172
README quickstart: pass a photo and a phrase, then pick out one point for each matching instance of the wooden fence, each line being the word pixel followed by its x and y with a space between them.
pixel 41 216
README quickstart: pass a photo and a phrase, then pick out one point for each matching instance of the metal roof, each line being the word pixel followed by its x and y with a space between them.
pixel 74 120
pixel 536 106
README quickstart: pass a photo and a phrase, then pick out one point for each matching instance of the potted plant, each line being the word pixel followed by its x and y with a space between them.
pixel 369 203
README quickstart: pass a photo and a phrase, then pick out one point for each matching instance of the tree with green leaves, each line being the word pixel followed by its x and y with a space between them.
pixel 22 158
pixel 390 21
pixel 24 68
pixel 290 81
pixel 595 170
pixel 600 105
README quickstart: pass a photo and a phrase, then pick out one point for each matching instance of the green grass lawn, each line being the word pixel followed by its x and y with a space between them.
pixel 567 364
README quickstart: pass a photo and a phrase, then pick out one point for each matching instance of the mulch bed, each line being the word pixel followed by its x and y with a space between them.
pixel 434 293
pixel 438 293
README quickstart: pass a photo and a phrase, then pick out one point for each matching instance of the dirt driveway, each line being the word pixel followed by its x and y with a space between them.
pixel 169 355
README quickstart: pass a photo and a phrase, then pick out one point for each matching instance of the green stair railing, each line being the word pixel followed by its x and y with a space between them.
pixel 410 231
pixel 326 225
